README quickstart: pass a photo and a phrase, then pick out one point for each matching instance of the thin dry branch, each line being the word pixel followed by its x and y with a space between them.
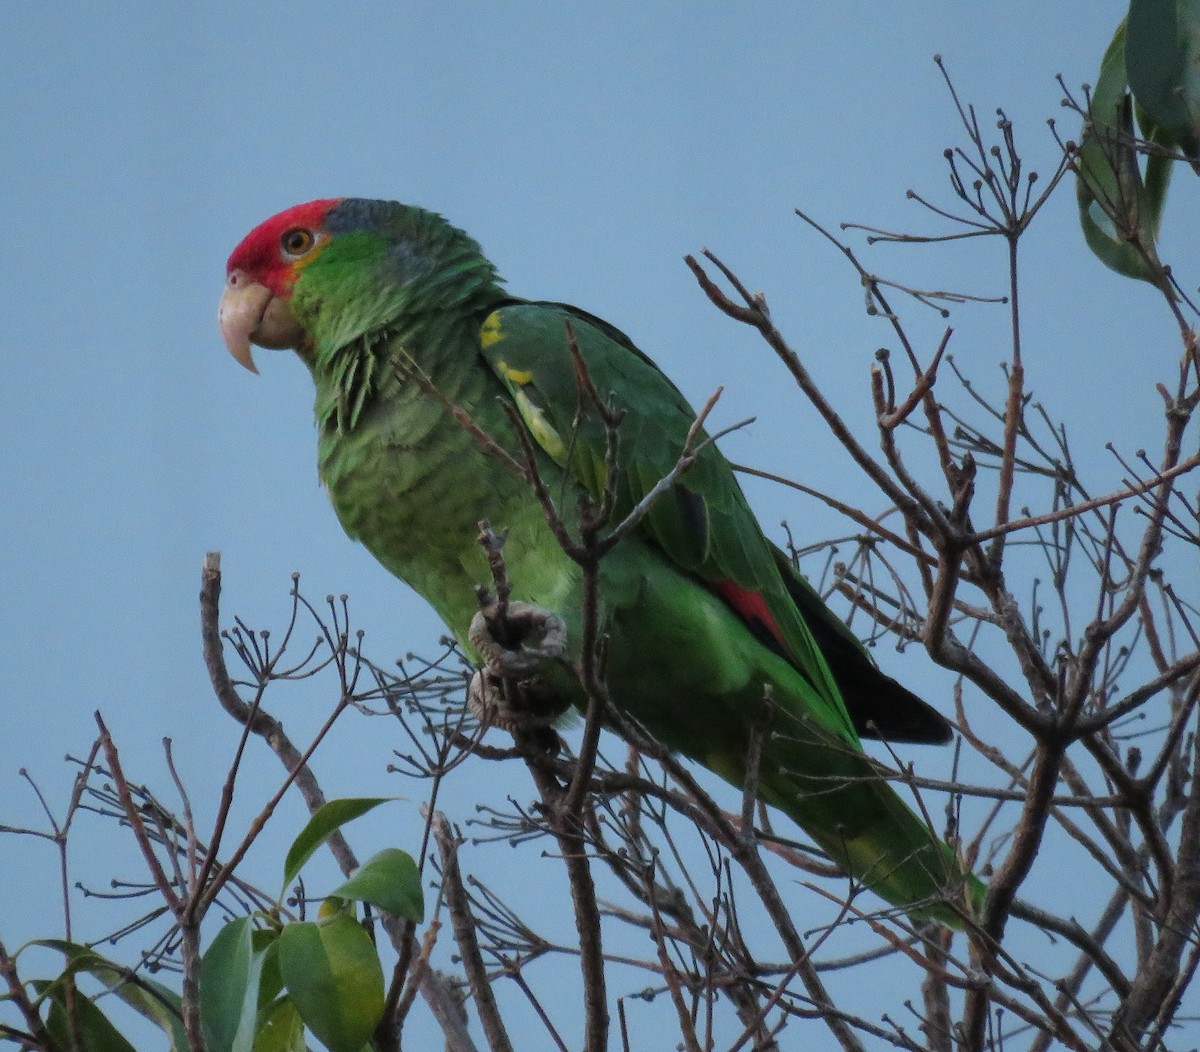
pixel 463 924
pixel 755 314
pixel 1074 511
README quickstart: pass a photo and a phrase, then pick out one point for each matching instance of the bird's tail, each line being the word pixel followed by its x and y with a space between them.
pixel 861 822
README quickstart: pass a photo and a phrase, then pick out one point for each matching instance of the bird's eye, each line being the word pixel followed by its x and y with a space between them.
pixel 298 241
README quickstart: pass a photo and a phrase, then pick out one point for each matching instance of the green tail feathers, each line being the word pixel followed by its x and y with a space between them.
pixel 861 822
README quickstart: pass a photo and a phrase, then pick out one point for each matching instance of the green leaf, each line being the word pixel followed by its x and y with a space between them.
pixel 96 1033
pixel 1119 215
pixel 271 982
pixel 1157 176
pixel 230 978
pixel 150 999
pixel 329 817
pixel 1161 52
pixel 280 1028
pixel 334 978
pixel 389 880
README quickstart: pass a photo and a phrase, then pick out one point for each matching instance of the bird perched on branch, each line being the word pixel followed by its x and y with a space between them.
pixel 425 369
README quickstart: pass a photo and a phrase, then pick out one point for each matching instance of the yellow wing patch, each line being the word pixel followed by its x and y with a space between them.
pixel 490 333
pixel 520 377
pixel 541 428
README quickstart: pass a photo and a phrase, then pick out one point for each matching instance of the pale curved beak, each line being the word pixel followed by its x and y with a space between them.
pixel 251 313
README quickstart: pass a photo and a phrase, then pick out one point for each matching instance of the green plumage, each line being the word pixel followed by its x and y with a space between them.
pixel 703 615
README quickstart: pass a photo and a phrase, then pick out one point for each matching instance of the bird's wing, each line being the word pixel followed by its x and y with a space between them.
pixel 702 523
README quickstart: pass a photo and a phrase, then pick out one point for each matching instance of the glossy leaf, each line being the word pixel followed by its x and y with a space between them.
pixel 155 1002
pixel 1119 214
pixel 270 982
pixel 96 1032
pixel 329 817
pixel 280 1028
pixel 334 978
pixel 230 977
pixel 389 880
pixel 1161 52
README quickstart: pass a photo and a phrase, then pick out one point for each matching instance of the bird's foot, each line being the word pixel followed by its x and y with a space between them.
pixel 509 691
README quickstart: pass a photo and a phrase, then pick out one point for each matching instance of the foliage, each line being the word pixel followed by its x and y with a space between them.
pixel 1154 52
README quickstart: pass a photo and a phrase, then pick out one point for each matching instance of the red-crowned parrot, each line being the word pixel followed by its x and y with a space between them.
pixel 403 322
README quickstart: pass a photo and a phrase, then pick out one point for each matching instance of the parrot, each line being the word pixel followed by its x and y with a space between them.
pixel 424 365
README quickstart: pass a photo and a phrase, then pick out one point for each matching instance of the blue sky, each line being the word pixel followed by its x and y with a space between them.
pixel 588 148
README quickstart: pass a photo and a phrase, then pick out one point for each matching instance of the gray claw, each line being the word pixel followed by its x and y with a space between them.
pixel 541 637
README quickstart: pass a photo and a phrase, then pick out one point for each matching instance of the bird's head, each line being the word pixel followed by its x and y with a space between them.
pixel 318 275
pixel 261 278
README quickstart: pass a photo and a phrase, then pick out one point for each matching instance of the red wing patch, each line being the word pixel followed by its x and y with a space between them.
pixel 753 609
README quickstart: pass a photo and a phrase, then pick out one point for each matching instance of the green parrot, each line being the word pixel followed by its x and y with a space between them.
pixel 404 325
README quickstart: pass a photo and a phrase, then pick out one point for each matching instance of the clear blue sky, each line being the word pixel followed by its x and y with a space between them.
pixel 588 147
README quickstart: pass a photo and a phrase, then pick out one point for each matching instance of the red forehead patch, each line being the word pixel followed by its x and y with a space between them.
pixel 258 254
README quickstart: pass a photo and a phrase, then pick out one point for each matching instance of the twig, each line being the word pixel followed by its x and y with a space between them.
pixel 463 924
pixel 18 996
pixel 1073 511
